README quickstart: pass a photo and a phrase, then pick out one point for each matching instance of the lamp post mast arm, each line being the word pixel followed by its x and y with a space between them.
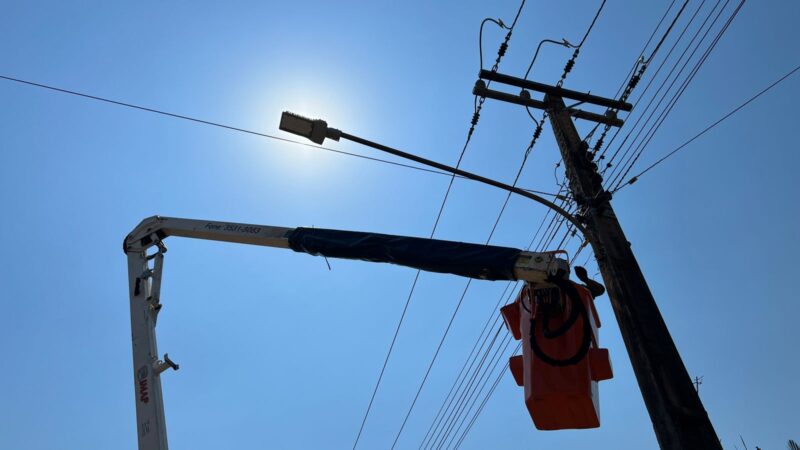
pixel 469 175
pixel 318 130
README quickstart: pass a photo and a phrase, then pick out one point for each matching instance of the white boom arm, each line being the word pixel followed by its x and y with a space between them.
pixel 144 275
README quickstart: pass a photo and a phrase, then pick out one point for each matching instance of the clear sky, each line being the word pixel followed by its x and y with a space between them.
pixel 276 351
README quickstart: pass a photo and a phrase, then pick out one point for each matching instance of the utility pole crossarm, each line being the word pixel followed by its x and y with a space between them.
pixel 478 261
pixel 524 98
pixel 481 90
pixel 555 91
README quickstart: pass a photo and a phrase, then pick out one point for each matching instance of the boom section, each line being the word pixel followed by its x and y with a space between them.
pixel 469 260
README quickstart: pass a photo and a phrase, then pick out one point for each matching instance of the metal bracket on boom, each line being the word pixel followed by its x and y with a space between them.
pixel 161 365
pixel 154 277
pixel 537 267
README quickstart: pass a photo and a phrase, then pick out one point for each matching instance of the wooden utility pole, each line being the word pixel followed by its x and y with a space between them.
pixel 678 416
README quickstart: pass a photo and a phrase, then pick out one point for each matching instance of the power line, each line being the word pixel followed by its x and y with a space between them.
pixel 546 239
pixel 486 399
pixel 476 115
pixel 459 381
pixel 563 42
pixel 448 401
pixel 627 156
pixel 686 27
pixel 708 128
pixel 455 438
pixel 527 152
pixel 634 78
pixel 660 121
pixel 469 395
pixel 537 132
pixel 548 236
pixel 241 130
pixel 269 136
pixel 568 67
pixel 473 391
pixel 457 412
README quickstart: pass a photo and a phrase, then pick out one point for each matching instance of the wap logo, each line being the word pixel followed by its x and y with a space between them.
pixel 144 392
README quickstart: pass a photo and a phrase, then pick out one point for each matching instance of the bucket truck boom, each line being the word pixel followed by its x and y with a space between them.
pixel 145 249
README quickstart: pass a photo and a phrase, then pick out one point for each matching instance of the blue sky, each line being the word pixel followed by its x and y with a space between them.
pixel 275 350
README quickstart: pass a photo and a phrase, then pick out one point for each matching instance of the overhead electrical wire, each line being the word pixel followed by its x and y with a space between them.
pixel 708 128
pixel 448 399
pixel 499 23
pixel 633 78
pixel 623 172
pixel 206 122
pixel 668 82
pixel 566 237
pixel 445 413
pixel 239 129
pixel 480 387
pixel 563 42
pixel 454 415
pixel 545 240
pixel 476 116
pixel 686 27
pixel 527 152
pixel 459 381
pixel 486 399
pixel 467 367
pixel 568 67
pixel 570 233
pixel 473 391
pixel 640 59
pixel 458 410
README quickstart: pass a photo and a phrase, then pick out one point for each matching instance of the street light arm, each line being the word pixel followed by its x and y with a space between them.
pixel 317 130
pixel 468 175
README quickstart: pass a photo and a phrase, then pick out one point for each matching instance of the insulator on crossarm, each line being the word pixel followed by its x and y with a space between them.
pixel 568 67
pixel 475 117
pixel 502 50
pixel 634 81
pixel 598 145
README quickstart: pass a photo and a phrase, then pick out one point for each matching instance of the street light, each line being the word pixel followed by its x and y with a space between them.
pixel 314 130
pixel 317 130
